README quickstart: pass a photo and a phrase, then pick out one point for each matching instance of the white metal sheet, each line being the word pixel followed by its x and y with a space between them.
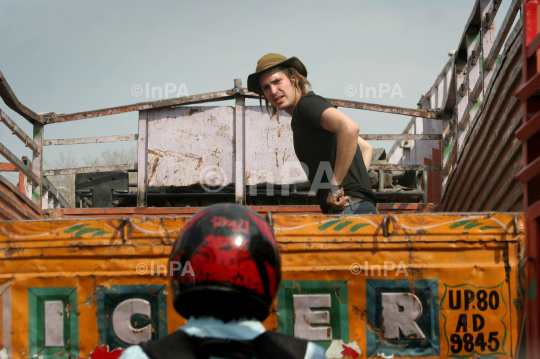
pixel 270 156
pixel 54 323
pixel 191 145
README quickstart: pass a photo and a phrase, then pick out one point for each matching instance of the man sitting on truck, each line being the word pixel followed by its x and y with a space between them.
pixel 326 141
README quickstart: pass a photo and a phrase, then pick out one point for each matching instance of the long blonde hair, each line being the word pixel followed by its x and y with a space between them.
pixel 300 83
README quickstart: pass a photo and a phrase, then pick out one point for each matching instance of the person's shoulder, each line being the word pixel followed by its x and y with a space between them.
pixel 134 352
pixel 311 97
pixel 309 108
pixel 314 351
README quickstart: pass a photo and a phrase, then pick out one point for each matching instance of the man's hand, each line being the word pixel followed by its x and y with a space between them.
pixel 336 201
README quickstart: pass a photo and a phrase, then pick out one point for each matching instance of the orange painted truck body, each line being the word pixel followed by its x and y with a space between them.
pixel 449 285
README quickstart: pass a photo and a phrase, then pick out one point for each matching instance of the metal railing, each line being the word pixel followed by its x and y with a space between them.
pixel 239 94
pixel 34 184
pixel 38 177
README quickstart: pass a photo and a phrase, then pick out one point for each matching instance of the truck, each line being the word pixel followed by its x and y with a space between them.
pixel 448 269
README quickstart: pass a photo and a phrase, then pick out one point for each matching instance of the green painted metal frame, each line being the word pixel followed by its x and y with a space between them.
pixel 339 313
pixel 123 292
pixel 427 290
pixel 36 322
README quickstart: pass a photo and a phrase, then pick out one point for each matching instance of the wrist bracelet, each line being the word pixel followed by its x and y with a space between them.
pixel 336 191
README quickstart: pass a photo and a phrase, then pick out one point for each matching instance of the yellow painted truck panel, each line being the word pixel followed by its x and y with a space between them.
pixel 361 286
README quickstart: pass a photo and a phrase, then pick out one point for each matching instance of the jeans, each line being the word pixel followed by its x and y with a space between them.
pixel 364 207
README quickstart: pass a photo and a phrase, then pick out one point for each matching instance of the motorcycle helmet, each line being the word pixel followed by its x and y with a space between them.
pixel 228 265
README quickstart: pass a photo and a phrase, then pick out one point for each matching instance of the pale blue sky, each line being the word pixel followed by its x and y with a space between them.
pixel 70 56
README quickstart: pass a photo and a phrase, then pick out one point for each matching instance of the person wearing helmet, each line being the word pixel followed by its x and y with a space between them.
pixel 325 140
pixel 237 273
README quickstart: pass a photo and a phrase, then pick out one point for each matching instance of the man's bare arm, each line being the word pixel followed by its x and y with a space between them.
pixel 367 151
pixel 347 130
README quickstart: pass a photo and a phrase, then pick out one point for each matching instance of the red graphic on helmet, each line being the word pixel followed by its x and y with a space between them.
pixel 223 259
pixel 240 225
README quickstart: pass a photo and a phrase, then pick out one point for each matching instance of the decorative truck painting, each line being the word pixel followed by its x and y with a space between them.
pixel 405 285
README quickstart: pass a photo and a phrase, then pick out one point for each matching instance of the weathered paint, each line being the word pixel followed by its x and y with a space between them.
pixel 71 171
pixel 187 144
pixel 193 145
pixel 239 150
pixel 387 109
pixel 103 263
pixel 270 156
pixel 178 101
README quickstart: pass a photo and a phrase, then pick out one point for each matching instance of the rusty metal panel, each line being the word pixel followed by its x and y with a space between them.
pixel 189 145
pixel 71 171
pixel 194 145
pixel 270 156
pixel 77 141
pixel 437 279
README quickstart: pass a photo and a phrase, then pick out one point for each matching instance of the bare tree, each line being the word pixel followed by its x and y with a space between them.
pixel 66 183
